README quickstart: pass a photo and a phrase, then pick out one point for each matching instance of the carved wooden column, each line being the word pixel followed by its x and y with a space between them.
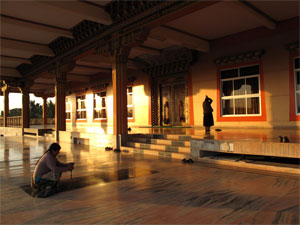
pixel 44 110
pixel 6 104
pixel 119 80
pixel 60 104
pixel 118 48
pixel 25 105
pixel 60 71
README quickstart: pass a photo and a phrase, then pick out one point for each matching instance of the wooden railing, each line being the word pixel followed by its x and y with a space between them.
pixel 16 121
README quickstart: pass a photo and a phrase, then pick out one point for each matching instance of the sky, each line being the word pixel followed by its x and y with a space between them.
pixel 15 100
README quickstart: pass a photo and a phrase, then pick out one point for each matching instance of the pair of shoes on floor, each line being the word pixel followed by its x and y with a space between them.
pixel 187 160
pixel 108 148
pixel 117 150
pixel 284 139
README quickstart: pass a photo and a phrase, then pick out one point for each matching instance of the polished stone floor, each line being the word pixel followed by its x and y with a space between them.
pixel 114 188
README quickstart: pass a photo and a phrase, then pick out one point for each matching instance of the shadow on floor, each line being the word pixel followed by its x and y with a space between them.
pixel 103 177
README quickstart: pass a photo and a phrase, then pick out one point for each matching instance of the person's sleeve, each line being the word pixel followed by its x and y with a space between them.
pixel 58 163
pixel 51 164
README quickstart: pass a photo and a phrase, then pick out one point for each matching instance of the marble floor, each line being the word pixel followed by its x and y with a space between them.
pixel 140 189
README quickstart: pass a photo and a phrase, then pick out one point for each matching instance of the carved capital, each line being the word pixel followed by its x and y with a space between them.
pixel 60 68
pixel 123 41
pixel 4 86
pixel 24 88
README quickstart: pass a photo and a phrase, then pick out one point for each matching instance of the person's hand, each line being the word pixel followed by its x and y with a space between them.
pixel 71 166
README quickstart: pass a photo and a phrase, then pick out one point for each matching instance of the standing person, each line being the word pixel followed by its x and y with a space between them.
pixel 47 173
pixel 208 119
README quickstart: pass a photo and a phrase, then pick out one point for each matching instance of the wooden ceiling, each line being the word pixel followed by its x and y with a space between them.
pixel 34 30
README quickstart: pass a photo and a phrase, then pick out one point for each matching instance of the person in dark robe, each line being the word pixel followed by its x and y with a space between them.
pixel 47 173
pixel 208 119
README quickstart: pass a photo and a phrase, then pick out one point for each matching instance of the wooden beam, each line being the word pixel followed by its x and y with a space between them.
pixel 258 15
pixel 14 59
pixel 34 26
pixel 81 9
pixel 78 78
pixel 174 36
pixel 147 50
pixel 7 44
pixel 9 72
pixel 89 68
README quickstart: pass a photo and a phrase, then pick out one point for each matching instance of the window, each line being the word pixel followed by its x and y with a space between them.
pixel 240 91
pixel 68 109
pixel 129 103
pixel 80 107
pixel 297 84
pixel 100 105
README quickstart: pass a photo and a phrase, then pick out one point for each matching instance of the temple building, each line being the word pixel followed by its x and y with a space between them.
pixel 114 65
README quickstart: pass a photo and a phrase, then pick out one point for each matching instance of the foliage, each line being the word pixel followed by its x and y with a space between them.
pixel 36 110
pixel 15 112
pixel 50 109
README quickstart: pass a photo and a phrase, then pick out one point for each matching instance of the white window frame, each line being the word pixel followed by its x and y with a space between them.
pixel 131 105
pixel 68 102
pixel 245 96
pixel 295 83
pixel 105 99
pixel 80 110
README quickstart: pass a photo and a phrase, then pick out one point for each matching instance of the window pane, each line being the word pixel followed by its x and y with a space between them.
pixel 298 81
pixel 249 70
pixel 98 102
pixel 129 99
pixel 253 105
pixel 239 87
pixel 103 103
pixel 227 88
pixel 298 102
pixel 83 114
pixel 78 115
pixel 83 104
pixel 130 112
pixel 227 107
pixel 68 108
pixel 240 106
pixel 297 63
pixel 252 85
pixel 103 113
pixel 68 115
pixel 229 73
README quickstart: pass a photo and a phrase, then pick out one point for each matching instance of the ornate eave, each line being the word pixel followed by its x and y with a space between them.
pixel 171 61
pixel 243 57
pixel 65 48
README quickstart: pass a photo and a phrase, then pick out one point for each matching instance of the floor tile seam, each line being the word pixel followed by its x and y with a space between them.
pixel 184 147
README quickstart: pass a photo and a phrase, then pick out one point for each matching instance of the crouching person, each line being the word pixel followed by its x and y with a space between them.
pixel 47 173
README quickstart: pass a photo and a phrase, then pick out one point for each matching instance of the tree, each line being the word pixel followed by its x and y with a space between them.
pixel 35 109
pixel 50 109
pixel 15 112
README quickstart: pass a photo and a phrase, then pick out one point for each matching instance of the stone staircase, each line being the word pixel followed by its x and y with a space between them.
pixel 161 145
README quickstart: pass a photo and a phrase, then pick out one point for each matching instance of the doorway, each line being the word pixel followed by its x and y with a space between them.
pixel 173 101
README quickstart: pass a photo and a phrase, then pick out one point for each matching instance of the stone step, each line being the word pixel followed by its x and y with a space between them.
pixel 178 137
pixel 160 147
pixel 162 142
pixel 154 152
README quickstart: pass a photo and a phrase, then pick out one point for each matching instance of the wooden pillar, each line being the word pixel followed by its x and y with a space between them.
pixel 25 106
pixel 60 72
pixel 60 105
pixel 44 110
pixel 119 80
pixel 6 104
